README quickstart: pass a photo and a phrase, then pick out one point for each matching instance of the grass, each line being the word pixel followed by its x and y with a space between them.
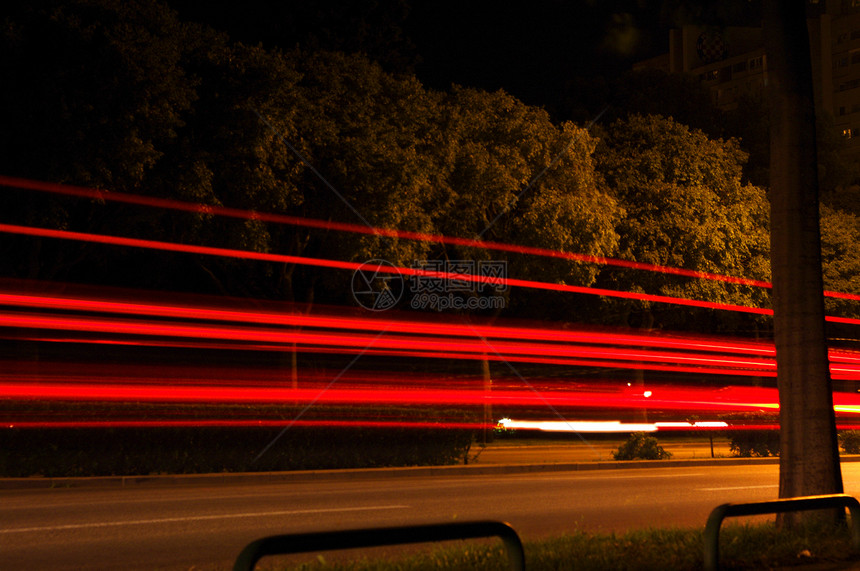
pixel 752 546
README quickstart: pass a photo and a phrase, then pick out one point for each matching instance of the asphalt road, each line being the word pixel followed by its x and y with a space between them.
pixel 205 526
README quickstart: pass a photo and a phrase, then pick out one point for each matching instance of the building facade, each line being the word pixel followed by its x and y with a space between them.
pixel 731 62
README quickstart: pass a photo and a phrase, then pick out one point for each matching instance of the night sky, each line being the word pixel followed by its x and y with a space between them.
pixel 530 49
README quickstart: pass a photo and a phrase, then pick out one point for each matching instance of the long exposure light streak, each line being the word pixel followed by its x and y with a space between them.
pixel 173 204
pixel 110 317
pixel 667 398
pixel 662 398
pixel 17 296
pixel 439 355
pixel 354 266
pixel 207 331
pixel 226 423
pixel 605 426
pixel 598 427
pixel 412 338
pixel 433 337
pixel 563 353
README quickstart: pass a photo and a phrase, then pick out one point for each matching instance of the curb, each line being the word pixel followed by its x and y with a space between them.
pixel 363 473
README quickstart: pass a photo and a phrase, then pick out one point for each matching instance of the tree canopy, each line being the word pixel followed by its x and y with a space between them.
pixel 840 234
pixel 686 207
pixel 125 96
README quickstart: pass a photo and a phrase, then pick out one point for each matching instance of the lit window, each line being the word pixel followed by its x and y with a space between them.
pixel 846 133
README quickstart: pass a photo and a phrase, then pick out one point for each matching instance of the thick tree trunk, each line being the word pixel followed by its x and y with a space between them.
pixel 809 456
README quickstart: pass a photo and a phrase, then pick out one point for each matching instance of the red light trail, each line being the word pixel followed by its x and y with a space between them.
pixel 658 398
pixel 336 264
pixel 17 295
pixel 224 423
pixel 440 347
pixel 275 330
pixel 106 319
pixel 280 329
pixel 173 204
pixel 668 398
pixel 402 337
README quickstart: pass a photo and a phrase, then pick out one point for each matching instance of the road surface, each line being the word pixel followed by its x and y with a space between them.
pixel 203 527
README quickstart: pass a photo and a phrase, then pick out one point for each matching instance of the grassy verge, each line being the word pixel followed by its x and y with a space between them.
pixel 758 546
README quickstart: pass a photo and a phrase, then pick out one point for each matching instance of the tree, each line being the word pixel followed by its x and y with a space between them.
pixel 809 457
pixel 376 28
pixel 93 93
pixel 511 175
pixel 102 78
pixel 226 155
pixel 374 141
pixel 685 206
pixel 840 234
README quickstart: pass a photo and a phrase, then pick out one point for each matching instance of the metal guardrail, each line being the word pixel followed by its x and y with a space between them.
pixel 712 529
pixel 375 537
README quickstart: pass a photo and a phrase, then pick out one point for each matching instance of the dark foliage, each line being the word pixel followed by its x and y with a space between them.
pixel 747 442
pixel 849 441
pixel 142 451
pixel 641 447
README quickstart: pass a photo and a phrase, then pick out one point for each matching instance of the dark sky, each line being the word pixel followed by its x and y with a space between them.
pixel 530 49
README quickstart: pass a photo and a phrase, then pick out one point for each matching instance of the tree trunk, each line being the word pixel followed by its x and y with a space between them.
pixel 487 420
pixel 809 456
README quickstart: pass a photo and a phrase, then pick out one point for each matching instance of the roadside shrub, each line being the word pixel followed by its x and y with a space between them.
pixel 641 447
pixel 849 440
pixel 755 443
pixel 748 442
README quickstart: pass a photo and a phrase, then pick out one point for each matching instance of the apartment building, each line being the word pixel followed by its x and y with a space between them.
pixel 732 63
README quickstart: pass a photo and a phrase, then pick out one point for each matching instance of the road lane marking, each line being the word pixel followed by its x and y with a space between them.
pixel 640 476
pixel 197 518
pixel 737 488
